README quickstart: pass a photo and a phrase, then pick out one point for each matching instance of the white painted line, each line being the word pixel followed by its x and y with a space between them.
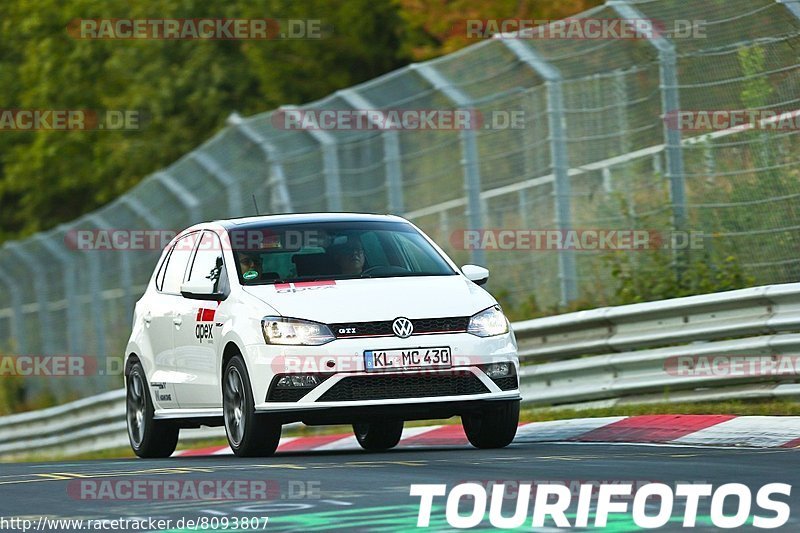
pixel 562 429
pixel 348 442
pixel 413 432
pixel 758 431
pixel 224 451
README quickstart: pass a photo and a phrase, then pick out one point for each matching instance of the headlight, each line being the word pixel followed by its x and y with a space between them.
pixel 280 330
pixel 488 323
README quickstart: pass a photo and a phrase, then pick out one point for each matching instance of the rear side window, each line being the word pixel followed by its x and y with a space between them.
pixel 163 268
pixel 177 263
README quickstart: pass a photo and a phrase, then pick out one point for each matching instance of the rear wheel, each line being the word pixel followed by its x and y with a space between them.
pixel 377 436
pixel 149 438
pixel 494 426
pixel 249 434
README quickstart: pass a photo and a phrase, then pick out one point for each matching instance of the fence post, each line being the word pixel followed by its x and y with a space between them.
pixel 74 338
pixel 792 5
pixel 184 196
pixel 280 198
pixel 125 271
pixel 391 154
pixel 330 165
pixel 45 324
pixel 469 151
pixel 17 320
pixel 670 104
pixel 556 120
pixel 154 221
pixel 229 182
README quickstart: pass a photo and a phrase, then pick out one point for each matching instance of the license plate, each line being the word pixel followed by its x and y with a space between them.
pixel 375 360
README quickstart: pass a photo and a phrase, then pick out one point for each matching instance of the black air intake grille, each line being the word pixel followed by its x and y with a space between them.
pixel 506 383
pixel 386 387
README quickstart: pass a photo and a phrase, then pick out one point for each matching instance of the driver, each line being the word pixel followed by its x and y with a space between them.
pixel 349 257
pixel 247 263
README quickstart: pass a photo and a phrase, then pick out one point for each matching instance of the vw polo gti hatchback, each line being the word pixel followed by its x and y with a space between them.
pixel 354 319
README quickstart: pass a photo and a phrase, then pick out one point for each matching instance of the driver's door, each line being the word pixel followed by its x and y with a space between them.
pixel 198 347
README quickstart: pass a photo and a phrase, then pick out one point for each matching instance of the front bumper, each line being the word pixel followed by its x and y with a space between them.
pixel 316 415
pixel 344 358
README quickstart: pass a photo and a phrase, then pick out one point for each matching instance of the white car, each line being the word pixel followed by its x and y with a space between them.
pixel 355 319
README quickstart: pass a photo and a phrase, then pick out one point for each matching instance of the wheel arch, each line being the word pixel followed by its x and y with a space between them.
pixel 231 349
pixel 130 360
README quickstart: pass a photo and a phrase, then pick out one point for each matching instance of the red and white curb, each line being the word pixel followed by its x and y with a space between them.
pixel 706 430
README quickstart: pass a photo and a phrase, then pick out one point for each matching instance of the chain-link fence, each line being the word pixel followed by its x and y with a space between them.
pixel 595 152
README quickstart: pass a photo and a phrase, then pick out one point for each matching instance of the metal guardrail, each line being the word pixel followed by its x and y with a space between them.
pixel 624 354
pixel 590 358
pixel 88 425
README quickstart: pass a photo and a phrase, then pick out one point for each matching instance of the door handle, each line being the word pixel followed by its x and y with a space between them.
pixel 177 321
pixel 147 318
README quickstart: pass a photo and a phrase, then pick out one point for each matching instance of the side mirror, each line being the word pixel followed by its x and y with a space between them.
pixel 201 290
pixel 476 274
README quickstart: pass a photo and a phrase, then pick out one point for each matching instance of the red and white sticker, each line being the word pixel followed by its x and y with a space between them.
pixel 304 286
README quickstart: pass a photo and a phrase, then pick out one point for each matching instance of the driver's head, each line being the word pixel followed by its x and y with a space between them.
pixel 247 262
pixel 349 257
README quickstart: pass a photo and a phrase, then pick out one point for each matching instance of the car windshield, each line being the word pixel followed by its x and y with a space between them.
pixel 271 254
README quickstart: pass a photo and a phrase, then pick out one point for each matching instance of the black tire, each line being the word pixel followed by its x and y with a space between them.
pixel 493 427
pixel 249 434
pixel 149 438
pixel 378 436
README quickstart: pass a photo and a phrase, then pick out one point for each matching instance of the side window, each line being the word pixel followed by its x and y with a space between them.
pixel 178 261
pixel 163 268
pixel 208 263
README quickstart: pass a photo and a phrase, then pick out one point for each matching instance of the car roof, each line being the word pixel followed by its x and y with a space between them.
pixel 302 218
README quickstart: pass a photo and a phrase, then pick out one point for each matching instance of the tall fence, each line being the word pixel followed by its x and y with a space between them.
pixel 595 151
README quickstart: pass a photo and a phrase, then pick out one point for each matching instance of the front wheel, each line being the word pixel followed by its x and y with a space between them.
pixel 249 434
pixel 378 436
pixel 494 426
pixel 149 438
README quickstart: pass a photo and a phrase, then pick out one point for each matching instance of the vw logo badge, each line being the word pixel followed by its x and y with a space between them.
pixel 402 327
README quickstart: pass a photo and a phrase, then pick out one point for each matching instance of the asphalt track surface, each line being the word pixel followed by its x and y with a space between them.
pixel 358 491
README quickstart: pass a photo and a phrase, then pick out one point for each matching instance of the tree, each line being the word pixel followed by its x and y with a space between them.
pixel 186 89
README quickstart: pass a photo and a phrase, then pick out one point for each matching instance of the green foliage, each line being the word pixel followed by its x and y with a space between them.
pixel 12 394
pixel 642 277
pixel 655 277
pixel 186 89
pixel 757 89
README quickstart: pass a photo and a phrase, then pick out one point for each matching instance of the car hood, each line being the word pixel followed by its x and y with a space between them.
pixel 364 300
